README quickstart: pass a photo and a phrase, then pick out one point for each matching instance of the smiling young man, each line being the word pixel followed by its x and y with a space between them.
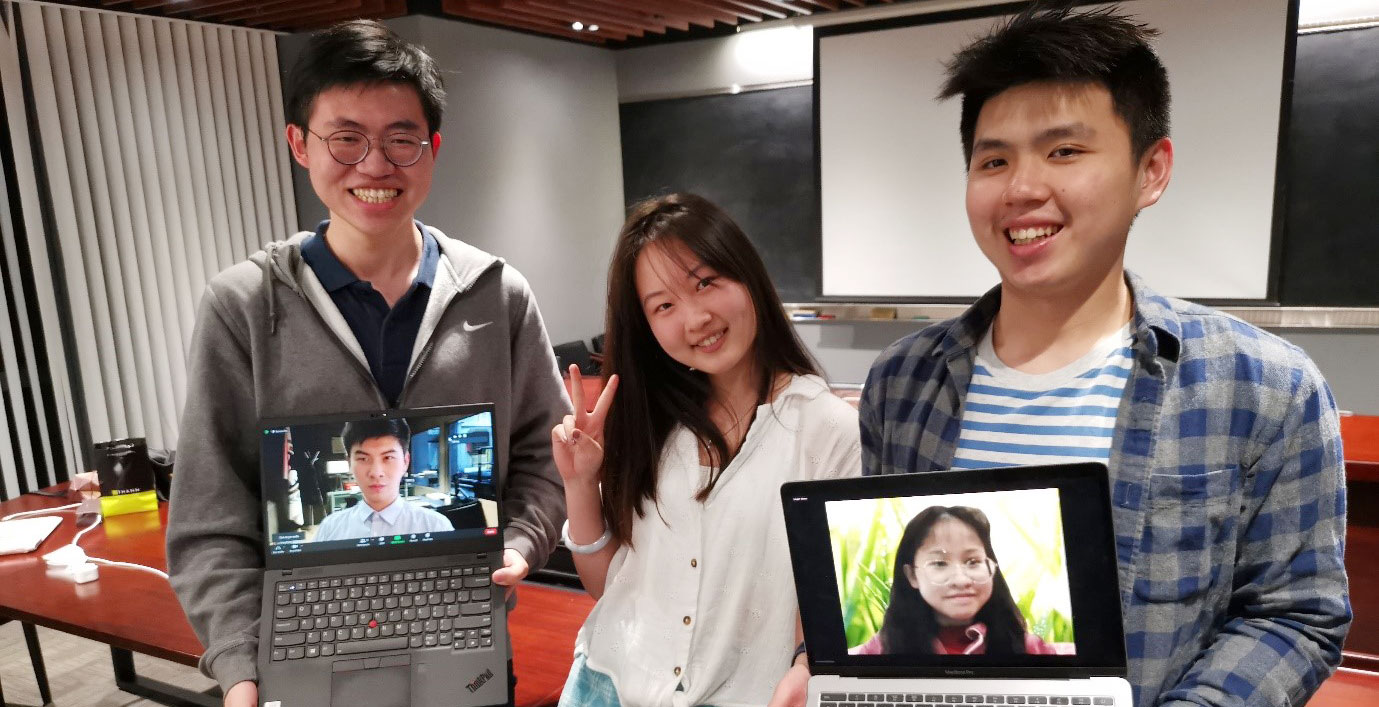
pixel 373 310
pixel 1222 440
pixel 378 459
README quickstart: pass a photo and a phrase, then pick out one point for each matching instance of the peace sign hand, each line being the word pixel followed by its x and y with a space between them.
pixel 577 442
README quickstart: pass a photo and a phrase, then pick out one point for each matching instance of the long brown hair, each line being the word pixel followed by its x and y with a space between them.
pixel 656 392
pixel 910 625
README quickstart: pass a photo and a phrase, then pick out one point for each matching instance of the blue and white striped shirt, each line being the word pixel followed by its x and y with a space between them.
pixel 1067 415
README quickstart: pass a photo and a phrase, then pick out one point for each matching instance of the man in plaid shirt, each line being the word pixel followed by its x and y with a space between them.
pixel 1222 440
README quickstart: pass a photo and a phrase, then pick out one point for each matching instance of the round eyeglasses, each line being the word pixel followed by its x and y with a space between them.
pixel 350 147
pixel 943 572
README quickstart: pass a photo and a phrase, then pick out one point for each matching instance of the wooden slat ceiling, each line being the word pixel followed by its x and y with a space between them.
pixel 612 23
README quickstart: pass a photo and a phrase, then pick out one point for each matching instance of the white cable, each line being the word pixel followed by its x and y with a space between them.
pixel 83 531
pixel 131 565
pixel 87 529
pixel 40 511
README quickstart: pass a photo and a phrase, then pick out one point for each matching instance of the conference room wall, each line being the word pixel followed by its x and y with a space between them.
pixel 762 57
pixel 530 167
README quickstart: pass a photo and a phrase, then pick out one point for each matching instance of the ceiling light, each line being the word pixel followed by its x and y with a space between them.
pixel 769 54
pixel 593 28
pixel 576 26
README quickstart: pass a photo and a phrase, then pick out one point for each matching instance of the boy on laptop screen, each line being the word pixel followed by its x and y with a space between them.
pixel 377 478
pixel 964 574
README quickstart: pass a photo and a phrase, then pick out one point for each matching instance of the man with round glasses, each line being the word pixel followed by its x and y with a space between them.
pixel 372 310
pixel 350 147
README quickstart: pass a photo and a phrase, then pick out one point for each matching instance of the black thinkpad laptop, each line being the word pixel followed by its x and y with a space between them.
pixel 382 532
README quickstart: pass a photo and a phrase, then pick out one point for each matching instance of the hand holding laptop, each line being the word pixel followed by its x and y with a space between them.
pixel 513 571
pixel 793 688
pixel 242 694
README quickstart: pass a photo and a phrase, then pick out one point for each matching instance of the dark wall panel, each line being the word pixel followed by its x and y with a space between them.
pixel 1331 244
pixel 752 154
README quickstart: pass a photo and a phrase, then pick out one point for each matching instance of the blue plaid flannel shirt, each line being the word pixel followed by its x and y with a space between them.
pixel 1227 487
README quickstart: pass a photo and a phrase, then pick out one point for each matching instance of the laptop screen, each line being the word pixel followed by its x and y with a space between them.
pixel 378 485
pixel 958 570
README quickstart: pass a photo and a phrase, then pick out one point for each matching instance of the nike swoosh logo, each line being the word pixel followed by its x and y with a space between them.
pixel 475 327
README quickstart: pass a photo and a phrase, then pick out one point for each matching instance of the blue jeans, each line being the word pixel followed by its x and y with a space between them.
pixel 588 688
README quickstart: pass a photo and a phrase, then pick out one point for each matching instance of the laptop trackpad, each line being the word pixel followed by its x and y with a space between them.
pixel 385 682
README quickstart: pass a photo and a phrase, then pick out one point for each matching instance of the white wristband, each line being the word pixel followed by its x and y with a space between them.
pixel 589 549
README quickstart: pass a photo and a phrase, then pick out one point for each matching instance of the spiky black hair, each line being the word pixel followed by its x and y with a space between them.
pixel 362 52
pixel 354 433
pixel 1052 42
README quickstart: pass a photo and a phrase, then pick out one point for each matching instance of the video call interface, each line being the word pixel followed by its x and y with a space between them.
pixel 373 483
pixel 958 574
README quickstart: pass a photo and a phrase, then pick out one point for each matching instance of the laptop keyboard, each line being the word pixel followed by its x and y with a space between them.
pixel 450 607
pixel 873 699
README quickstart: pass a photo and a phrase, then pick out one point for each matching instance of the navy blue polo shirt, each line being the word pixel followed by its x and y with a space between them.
pixel 386 335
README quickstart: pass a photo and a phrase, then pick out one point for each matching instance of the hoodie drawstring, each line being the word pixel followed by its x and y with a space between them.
pixel 268 288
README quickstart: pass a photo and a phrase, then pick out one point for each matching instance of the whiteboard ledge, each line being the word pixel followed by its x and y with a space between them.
pixel 1357 318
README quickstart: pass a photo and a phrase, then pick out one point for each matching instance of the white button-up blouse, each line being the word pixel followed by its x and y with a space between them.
pixel 703 611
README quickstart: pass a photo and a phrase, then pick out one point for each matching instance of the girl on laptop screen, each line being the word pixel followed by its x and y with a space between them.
pixel 948 595
pixel 673 480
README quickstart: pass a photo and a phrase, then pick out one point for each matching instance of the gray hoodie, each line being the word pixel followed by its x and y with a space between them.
pixel 269 342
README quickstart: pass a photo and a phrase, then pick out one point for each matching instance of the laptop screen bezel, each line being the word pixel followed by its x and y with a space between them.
pixel 1091 560
pixel 447 546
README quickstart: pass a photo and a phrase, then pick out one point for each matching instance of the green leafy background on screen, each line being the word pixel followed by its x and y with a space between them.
pixel 1027 533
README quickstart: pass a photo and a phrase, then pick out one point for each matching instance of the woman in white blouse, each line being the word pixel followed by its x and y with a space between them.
pixel 673 479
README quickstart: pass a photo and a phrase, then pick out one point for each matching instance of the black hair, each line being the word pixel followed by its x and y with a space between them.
pixel 910 625
pixel 1053 43
pixel 656 393
pixel 355 433
pixel 362 52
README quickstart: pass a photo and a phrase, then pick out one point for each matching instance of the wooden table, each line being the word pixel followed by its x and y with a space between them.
pixel 1348 688
pixel 130 610
pixel 543 628
pixel 1360 439
pixel 135 611
pixel 1360 436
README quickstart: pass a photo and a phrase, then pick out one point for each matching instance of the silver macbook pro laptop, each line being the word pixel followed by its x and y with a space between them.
pixel 382 531
pixel 984 587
